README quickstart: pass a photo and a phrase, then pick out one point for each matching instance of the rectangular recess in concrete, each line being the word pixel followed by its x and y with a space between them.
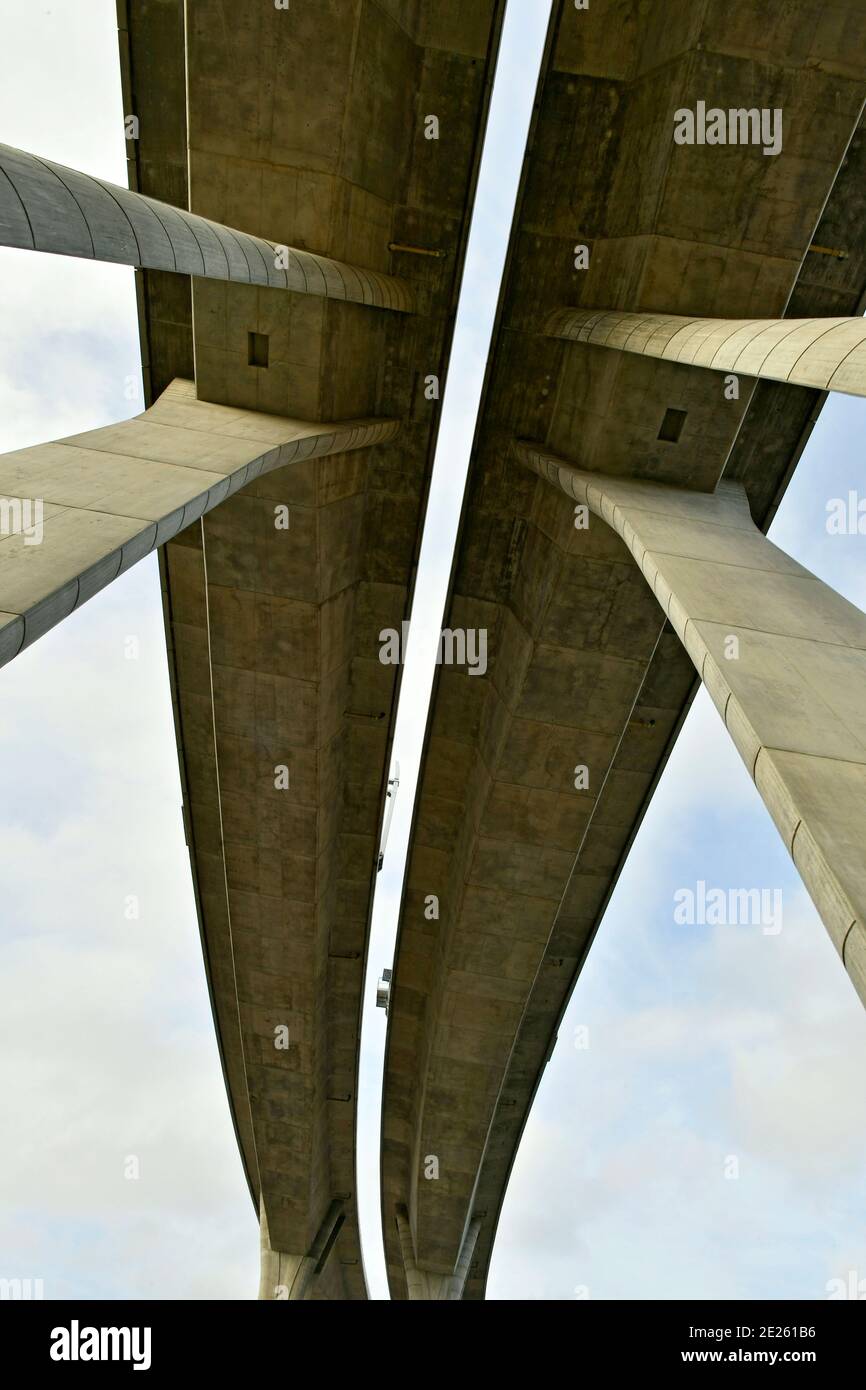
pixel 257 351
pixel 672 425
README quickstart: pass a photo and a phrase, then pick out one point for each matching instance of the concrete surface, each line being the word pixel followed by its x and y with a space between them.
pixel 109 496
pixel 829 354
pixel 290 1278
pixel 423 1287
pixel 783 658
pixel 48 207
pixel 583 669
pixel 306 126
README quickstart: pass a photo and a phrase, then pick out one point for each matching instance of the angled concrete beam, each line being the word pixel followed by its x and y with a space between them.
pixel 829 354
pixel 783 657
pixel 425 1285
pixel 291 1277
pixel 47 207
pixel 76 513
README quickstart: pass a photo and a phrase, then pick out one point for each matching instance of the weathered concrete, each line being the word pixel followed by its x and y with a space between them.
pixel 784 660
pixel 422 1286
pixel 305 126
pixel 48 207
pixel 829 354
pixel 583 671
pixel 291 1277
pixel 107 497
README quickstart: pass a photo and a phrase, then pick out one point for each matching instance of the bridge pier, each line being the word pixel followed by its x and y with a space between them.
pixel 826 353
pixel 783 657
pixel 286 1277
pixel 48 207
pixel 427 1285
pixel 76 513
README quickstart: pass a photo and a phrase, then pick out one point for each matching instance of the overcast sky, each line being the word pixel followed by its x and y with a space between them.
pixel 712 1051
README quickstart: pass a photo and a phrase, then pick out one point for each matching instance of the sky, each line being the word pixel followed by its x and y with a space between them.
pixel 700 1130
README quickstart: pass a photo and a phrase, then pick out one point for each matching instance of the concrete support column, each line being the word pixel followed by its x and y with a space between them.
pixel 783 657
pixel 424 1285
pixel 48 207
pixel 287 1277
pixel 829 354
pixel 283 1276
pixel 76 513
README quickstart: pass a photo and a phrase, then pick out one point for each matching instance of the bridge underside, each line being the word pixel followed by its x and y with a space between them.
pixel 584 671
pixel 282 467
pixel 306 128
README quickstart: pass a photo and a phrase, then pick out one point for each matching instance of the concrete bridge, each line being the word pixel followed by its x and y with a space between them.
pixel 621 237
pixel 281 161
pixel 671 318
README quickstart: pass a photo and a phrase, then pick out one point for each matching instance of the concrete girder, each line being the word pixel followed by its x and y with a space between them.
pixel 792 691
pixel 426 1285
pixel 78 512
pixel 826 353
pixel 581 667
pixel 311 122
pixel 48 207
pixel 292 1277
